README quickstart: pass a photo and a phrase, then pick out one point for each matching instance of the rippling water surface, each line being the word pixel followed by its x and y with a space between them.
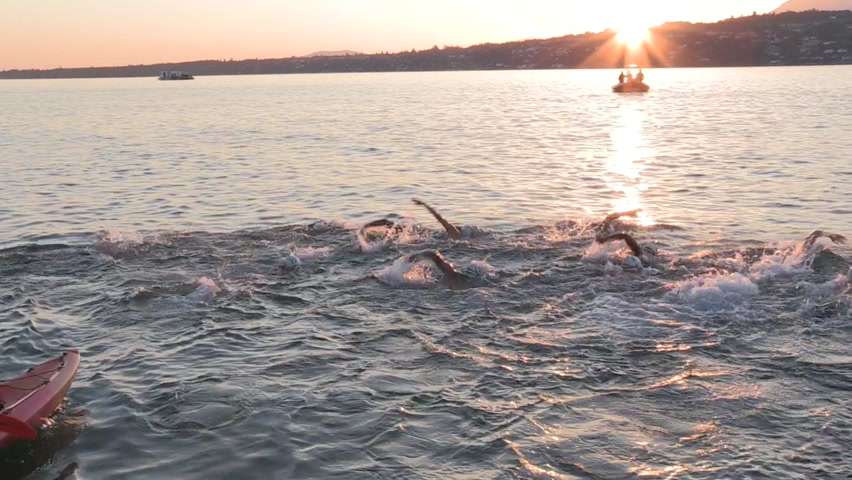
pixel 144 223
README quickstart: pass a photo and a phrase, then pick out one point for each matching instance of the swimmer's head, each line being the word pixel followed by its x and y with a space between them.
pixel 649 250
pixel 632 262
pixel 474 270
pixel 468 231
pixel 290 262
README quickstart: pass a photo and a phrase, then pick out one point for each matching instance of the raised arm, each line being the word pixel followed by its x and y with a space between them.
pixel 631 242
pixel 816 234
pixel 605 225
pixel 451 229
pixel 435 257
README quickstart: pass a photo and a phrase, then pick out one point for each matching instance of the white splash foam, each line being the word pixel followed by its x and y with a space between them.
pixel 376 246
pixel 776 265
pixel 405 273
pixel 311 254
pixel 839 285
pixel 561 234
pixel 117 243
pixel 736 264
pixel 600 252
pixel 715 291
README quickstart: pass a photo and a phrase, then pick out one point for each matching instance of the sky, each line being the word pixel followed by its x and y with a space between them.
pixel 84 33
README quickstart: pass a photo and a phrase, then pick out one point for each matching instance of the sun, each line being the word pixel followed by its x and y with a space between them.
pixel 632 35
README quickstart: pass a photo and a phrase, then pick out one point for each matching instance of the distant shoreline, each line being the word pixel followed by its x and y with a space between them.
pixel 429 71
pixel 787 39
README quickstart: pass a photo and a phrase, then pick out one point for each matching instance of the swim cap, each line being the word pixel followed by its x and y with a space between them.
pixel 290 262
pixel 467 231
pixel 632 262
pixel 475 270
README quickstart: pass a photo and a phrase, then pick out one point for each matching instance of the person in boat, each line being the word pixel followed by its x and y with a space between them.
pixel 621 78
pixel 640 76
pixel 629 77
pixel 450 275
pixel 453 232
pixel 639 253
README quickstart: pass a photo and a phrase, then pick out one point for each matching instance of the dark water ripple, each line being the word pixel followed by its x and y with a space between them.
pixel 202 359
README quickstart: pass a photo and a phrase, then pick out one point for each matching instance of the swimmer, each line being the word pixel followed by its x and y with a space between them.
pixel 382 222
pixel 392 227
pixel 291 262
pixel 452 231
pixel 603 229
pixel 646 252
pixel 451 276
pixel 824 261
pixel 816 234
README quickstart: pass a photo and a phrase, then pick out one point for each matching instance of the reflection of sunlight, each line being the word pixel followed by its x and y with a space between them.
pixel 671 471
pixel 626 164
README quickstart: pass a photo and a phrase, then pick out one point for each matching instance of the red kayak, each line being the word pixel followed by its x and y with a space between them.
pixel 29 398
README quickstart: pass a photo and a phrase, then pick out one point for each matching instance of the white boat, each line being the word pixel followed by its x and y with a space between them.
pixel 175 75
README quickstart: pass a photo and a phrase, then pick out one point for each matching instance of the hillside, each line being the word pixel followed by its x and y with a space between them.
pixel 805 38
pixel 335 53
pixel 805 5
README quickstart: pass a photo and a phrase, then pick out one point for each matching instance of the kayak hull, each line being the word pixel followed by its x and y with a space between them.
pixel 33 396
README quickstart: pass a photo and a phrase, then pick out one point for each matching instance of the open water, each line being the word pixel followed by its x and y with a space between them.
pixel 144 223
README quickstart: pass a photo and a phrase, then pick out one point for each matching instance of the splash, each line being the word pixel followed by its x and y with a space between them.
pixel 118 244
pixel 205 292
pixel 567 231
pixel 312 254
pixel 599 252
pixel 368 246
pixel 404 273
pixel 782 263
pixel 715 291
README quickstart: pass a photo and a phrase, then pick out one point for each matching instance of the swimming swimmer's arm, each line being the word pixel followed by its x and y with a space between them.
pixel 382 222
pixel 451 229
pixel 435 257
pixel 605 224
pixel 615 216
pixel 631 242
pixel 811 239
pixel 813 236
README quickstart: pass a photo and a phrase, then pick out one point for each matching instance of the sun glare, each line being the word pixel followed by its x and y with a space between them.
pixel 632 35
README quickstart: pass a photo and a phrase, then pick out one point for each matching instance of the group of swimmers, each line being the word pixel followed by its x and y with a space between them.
pixel 605 232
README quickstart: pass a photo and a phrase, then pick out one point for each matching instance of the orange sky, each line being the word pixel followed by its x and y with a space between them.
pixel 82 33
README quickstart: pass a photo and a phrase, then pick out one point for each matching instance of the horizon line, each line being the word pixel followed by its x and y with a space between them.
pixel 361 53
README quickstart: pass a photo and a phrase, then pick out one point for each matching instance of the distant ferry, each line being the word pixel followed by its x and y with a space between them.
pixel 175 75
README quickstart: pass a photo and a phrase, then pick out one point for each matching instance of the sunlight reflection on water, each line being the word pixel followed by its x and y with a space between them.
pixel 626 165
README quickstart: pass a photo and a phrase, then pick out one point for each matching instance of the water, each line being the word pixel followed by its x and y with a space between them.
pixel 143 223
